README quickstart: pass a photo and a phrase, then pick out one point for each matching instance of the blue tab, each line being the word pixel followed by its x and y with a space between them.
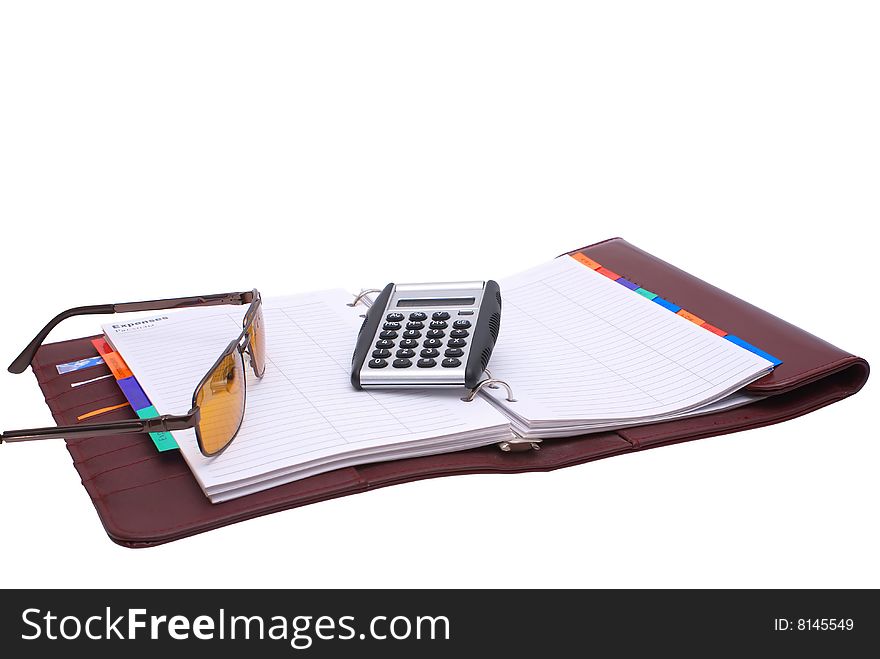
pixel 748 346
pixel 626 282
pixel 133 393
pixel 674 308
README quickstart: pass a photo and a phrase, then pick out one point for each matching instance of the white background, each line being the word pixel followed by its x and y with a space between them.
pixel 175 148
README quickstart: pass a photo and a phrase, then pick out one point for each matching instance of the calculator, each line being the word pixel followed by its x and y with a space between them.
pixel 428 335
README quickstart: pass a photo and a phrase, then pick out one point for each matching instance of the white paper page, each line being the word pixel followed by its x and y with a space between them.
pixel 575 345
pixel 304 410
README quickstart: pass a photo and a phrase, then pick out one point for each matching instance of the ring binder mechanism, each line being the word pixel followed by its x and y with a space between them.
pixel 520 444
pixel 363 295
pixel 487 383
pixel 490 376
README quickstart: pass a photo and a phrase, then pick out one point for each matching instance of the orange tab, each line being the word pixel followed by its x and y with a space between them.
pixel 586 260
pixel 101 411
pixel 691 317
pixel 117 365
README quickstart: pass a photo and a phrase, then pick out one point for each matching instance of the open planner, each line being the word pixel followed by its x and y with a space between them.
pixel 608 350
pixel 580 352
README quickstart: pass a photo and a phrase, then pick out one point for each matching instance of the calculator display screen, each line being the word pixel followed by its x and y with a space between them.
pixel 437 302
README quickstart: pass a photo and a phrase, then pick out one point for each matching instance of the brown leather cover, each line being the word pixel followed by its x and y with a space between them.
pixel 145 498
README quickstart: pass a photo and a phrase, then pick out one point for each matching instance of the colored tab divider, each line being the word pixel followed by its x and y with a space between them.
pixel 164 441
pixel 134 393
pixel 674 308
pixel 748 346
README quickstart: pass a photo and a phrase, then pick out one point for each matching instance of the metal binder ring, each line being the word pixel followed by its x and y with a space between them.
pixel 489 375
pixel 473 392
pixel 360 296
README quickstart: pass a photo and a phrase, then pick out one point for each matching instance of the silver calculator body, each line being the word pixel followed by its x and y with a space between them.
pixel 428 335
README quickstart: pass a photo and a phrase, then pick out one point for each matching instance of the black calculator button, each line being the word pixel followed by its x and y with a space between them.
pixel 426 363
pixel 384 343
pixel 454 352
pixel 408 343
pixel 405 353
pixel 432 343
pixel 387 334
pixel 417 315
pixel 412 334
pixel 450 362
pixel 435 334
pixel 440 315
pixel 458 334
pixel 429 352
pixel 401 363
pixel 378 363
pixel 416 326
pixel 381 354
pixel 456 343
pixel 461 324
pixel 394 317
pixel 438 324
pixel 391 326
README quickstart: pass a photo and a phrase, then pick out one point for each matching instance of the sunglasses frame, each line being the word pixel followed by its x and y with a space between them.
pixel 166 422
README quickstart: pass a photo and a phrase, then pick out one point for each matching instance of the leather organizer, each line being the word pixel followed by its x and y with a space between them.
pixel 145 498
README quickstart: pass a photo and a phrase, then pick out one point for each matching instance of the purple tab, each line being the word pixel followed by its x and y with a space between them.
pixel 133 393
pixel 626 282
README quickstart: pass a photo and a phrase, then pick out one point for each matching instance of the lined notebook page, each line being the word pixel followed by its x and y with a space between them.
pixel 575 345
pixel 303 414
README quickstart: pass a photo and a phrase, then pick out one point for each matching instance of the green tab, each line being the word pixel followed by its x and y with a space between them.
pixel 164 441
pixel 647 294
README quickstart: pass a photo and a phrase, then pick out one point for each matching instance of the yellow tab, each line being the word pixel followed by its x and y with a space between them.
pixel 586 260
pixel 691 317
pixel 88 415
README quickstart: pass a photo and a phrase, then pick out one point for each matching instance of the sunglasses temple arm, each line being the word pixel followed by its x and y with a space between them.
pixel 24 360
pixel 164 423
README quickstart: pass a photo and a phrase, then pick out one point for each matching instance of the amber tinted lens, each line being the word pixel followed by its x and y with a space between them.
pixel 257 338
pixel 221 404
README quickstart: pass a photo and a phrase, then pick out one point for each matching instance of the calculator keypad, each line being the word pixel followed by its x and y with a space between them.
pixel 404 340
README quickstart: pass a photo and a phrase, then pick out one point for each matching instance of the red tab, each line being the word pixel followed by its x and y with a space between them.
pixel 102 346
pixel 608 273
pixel 714 329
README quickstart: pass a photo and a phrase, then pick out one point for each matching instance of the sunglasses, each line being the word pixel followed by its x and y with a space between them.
pixel 218 401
